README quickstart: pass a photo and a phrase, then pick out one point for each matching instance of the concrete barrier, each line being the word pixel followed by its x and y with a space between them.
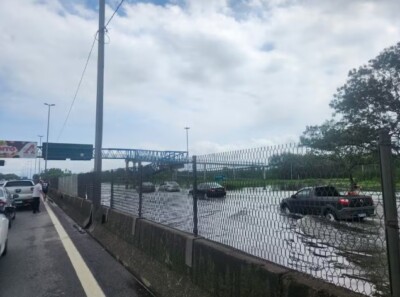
pixel 80 210
pixel 150 251
pixel 175 263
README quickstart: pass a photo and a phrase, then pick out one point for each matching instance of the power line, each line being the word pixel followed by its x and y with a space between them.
pixel 79 85
pixel 119 5
pixel 84 70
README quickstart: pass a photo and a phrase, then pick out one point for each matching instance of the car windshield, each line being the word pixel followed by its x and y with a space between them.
pixel 173 183
pixel 19 183
pixel 1 193
pixel 147 184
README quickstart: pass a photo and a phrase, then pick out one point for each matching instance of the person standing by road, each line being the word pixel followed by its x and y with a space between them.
pixel 37 192
pixel 45 189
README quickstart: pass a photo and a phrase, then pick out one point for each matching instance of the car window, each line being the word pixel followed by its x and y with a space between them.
pixel 1 193
pixel 303 194
pixel 19 183
pixel 326 191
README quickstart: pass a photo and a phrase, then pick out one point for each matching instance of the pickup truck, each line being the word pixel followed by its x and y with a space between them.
pixel 20 191
pixel 328 202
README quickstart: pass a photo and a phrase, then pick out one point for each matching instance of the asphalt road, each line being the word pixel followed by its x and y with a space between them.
pixel 37 264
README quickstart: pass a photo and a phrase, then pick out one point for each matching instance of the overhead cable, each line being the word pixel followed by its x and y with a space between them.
pixel 119 5
pixel 79 85
pixel 84 70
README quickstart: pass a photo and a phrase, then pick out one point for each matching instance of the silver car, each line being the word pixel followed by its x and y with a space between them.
pixel 7 201
pixel 5 224
pixel 169 186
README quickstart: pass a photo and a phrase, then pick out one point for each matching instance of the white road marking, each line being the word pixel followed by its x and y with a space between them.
pixel 89 283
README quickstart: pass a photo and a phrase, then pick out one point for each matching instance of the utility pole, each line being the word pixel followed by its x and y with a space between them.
pixel 99 105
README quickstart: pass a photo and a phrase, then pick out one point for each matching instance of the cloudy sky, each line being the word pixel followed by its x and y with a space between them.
pixel 239 73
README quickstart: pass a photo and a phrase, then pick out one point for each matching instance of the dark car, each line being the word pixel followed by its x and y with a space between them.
pixel 147 187
pixel 328 202
pixel 210 189
pixel 169 186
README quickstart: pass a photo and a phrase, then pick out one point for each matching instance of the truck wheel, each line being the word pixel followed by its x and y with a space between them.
pixel 330 216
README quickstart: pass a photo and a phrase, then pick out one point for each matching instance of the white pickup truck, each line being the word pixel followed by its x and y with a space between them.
pixel 20 191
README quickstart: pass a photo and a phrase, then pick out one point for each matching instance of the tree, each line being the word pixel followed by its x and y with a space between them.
pixel 55 173
pixel 9 176
pixel 367 103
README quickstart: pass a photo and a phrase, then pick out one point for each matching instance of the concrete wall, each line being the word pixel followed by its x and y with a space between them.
pixel 175 263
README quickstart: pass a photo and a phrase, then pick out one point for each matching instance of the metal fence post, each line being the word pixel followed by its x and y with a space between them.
pixel 194 191
pixel 112 190
pixel 390 212
pixel 140 189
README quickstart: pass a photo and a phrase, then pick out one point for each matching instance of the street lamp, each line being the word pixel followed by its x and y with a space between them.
pixel 40 144
pixel 48 127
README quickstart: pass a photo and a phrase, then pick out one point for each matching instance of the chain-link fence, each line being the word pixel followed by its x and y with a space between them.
pixel 304 210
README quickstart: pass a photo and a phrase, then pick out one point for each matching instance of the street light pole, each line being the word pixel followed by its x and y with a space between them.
pixel 48 127
pixel 187 148
pixel 187 141
pixel 40 144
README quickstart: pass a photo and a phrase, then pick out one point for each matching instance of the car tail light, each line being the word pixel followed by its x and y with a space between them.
pixel 2 203
pixel 344 202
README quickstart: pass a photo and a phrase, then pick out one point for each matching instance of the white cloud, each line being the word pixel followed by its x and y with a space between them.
pixel 240 74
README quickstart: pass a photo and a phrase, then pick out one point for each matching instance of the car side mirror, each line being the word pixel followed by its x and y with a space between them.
pixel 293 196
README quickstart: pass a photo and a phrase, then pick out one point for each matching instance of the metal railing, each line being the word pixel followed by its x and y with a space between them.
pixel 338 237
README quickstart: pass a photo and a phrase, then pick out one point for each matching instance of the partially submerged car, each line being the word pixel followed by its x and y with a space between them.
pixel 328 202
pixel 209 190
pixel 169 186
pixel 147 187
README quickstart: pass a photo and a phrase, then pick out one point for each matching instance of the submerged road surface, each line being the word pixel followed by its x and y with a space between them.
pixel 49 255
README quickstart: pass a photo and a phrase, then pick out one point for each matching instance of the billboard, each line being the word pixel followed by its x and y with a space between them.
pixel 17 149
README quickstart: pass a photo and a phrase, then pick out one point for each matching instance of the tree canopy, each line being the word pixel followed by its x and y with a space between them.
pixel 368 102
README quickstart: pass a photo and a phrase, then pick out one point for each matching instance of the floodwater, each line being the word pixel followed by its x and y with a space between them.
pixel 348 254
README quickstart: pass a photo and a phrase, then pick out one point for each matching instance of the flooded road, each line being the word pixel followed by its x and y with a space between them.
pixel 348 254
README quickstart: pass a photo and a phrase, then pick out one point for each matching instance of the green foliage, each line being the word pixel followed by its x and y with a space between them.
pixel 9 176
pixel 366 104
pixel 55 173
